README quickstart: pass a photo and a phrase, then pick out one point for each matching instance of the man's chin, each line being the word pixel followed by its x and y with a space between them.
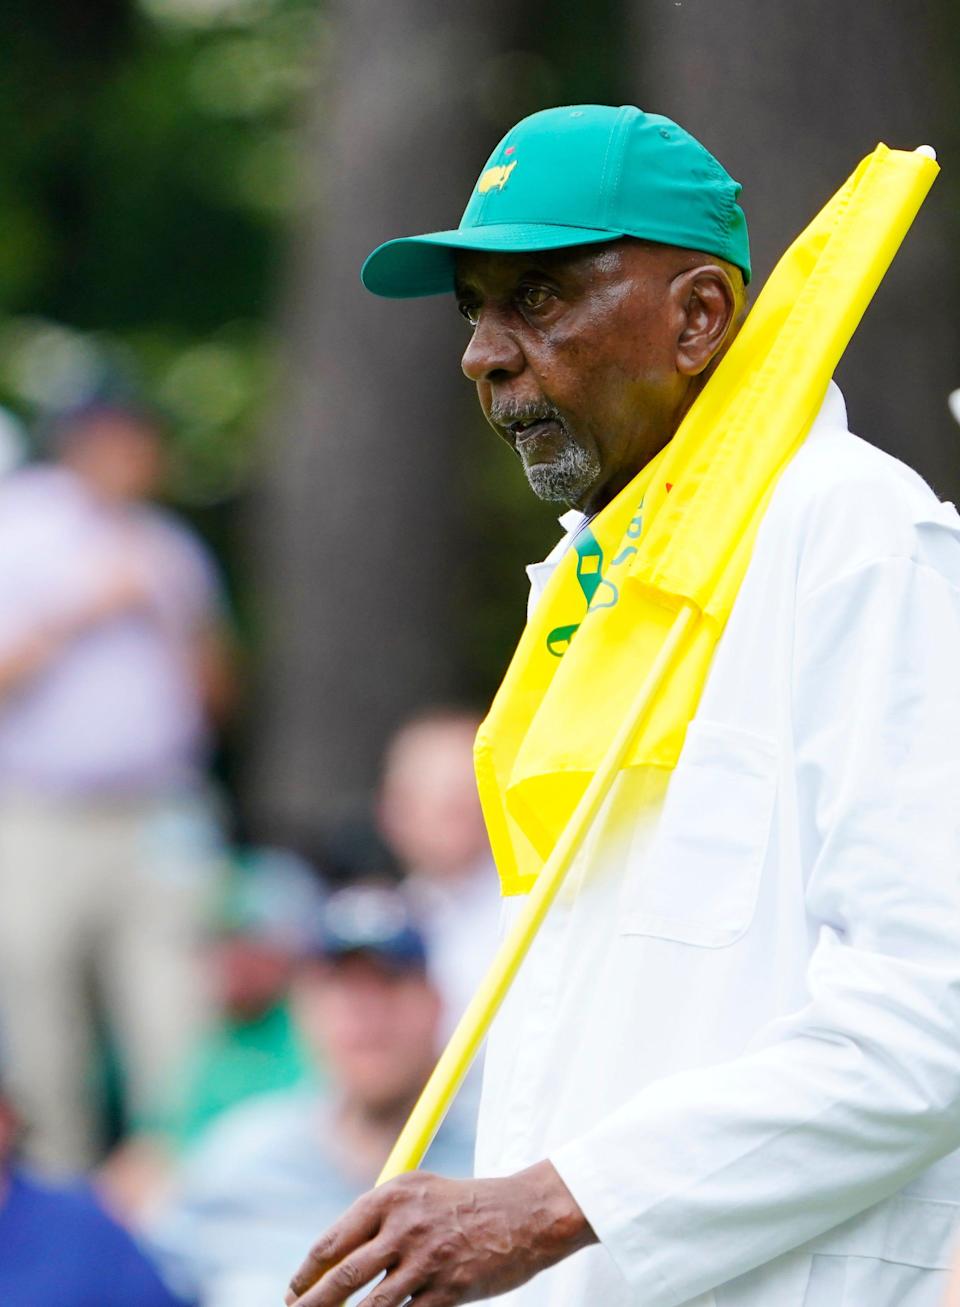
pixel 558 484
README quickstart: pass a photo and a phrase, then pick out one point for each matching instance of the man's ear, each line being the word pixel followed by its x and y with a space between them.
pixel 709 305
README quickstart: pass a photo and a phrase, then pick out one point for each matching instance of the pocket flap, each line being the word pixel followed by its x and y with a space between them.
pixel 910 1231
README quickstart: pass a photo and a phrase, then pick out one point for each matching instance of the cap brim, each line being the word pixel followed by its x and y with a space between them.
pixel 424 265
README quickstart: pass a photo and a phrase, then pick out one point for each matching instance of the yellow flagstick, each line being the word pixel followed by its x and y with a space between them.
pixel 457 1057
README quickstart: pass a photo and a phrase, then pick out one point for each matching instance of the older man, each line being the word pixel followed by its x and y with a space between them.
pixel 727 1073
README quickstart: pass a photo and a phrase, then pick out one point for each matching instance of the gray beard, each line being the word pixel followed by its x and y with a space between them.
pixel 566 478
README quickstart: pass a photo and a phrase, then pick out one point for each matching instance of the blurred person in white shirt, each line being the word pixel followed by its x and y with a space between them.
pixel 114 664
pixel 429 812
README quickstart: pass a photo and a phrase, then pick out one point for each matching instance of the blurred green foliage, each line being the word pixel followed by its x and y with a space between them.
pixel 153 167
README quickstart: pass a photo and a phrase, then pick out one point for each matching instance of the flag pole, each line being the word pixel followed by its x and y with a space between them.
pixel 457 1058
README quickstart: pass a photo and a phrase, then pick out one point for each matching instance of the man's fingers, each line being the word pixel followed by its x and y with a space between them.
pixel 394 1289
pixel 344 1279
pixel 360 1223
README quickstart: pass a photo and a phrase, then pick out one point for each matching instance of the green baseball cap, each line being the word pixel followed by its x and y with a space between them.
pixel 574 176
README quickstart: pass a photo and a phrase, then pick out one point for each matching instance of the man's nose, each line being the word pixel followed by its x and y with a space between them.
pixel 493 353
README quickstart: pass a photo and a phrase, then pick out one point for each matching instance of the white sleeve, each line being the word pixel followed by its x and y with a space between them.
pixel 704 1175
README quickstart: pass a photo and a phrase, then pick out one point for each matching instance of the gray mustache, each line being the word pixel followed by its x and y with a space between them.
pixel 505 413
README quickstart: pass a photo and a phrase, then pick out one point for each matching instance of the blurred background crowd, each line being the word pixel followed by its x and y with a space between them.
pixel 261 565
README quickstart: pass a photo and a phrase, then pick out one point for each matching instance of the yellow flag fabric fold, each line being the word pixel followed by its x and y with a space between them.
pixel 682 531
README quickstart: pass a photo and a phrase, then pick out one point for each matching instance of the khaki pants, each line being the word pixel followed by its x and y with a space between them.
pixel 110 896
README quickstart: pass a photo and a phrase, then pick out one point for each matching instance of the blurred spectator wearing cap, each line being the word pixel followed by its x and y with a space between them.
pixel 113 664
pixel 430 815
pixel 269 1171
pixel 59 1248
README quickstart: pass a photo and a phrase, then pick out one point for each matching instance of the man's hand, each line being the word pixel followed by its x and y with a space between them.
pixel 443 1241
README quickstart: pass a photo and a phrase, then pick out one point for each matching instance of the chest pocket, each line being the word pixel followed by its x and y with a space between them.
pixel 695 879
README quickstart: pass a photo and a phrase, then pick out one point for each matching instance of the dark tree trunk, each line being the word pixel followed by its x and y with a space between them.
pixel 790 97
pixel 357 530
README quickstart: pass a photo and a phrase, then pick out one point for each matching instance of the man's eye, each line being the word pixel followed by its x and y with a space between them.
pixel 469 310
pixel 534 297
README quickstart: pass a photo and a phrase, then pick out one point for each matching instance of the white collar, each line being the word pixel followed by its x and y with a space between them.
pixel 572 520
pixel 833 410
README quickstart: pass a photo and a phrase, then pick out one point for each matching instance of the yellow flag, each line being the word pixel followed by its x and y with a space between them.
pixel 682 531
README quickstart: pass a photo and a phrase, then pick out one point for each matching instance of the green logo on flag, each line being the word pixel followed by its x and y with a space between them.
pixel 598 590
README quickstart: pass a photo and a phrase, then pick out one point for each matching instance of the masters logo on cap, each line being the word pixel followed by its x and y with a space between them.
pixel 497 176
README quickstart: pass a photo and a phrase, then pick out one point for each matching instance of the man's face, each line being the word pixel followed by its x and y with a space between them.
pixel 429 806
pixel 121 456
pixel 375 1027
pixel 573 353
pixel 250 975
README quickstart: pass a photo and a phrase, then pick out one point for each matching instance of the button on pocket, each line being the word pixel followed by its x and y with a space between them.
pixel 697 880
